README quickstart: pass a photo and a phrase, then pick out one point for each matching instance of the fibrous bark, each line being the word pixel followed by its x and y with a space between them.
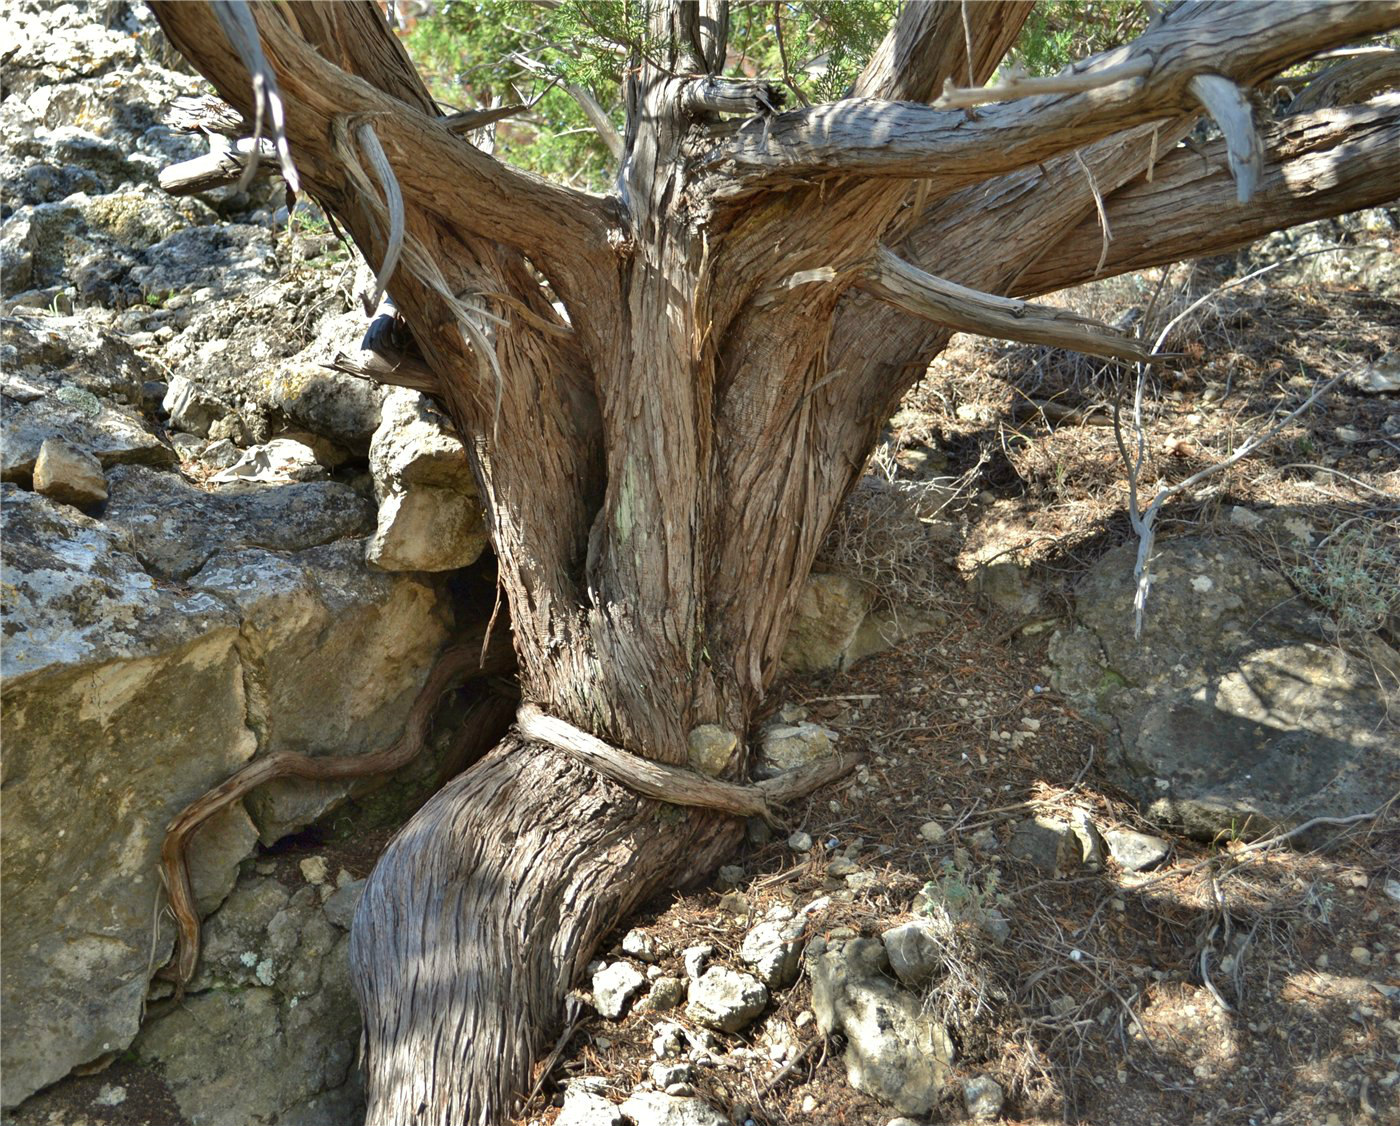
pixel 662 460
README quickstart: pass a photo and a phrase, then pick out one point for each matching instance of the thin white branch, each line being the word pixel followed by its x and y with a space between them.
pixel 1104 229
pixel 393 198
pixel 895 281
pixel 598 118
pixel 1018 86
pixel 1144 524
pixel 1230 109
pixel 236 19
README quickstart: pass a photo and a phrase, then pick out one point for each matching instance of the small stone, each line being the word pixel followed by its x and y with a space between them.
pixel 614 986
pixel 774 947
pixel 1360 955
pixel 901 1121
pixel 69 475
pixel 110 1095
pixel 734 903
pixel 932 832
pixel 654 1108
pixel 1136 852
pixel 805 1017
pixel 725 999
pixel 913 950
pixel 663 1074
pixel 314 869
pixel 641 945
pixel 1048 843
pixel 984 840
pixel 809 1104
pixel 668 1041
pixel 788 747
pixel 983 1097
pixel 679 1090
pixel 800 841
pixel 583 1107
pixel 695 957
pixel 710 749
pixel 841 867
pixel 730 875
pixel 666 993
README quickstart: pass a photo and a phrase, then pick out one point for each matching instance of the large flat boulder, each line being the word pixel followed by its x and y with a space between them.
pixel 1234 712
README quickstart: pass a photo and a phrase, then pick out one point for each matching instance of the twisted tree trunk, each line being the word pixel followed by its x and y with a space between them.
pixel 660 466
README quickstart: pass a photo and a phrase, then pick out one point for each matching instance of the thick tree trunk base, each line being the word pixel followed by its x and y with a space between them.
pixel 484 910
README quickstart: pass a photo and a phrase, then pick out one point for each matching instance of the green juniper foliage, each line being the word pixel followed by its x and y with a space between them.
pixel 472 52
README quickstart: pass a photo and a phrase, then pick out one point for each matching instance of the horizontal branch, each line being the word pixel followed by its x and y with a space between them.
pixel 1315 165
pixel 219 166
pixel 1020 86
pixel 1245 43
pixel 675 784
pixel 968 310
pixel 1353 79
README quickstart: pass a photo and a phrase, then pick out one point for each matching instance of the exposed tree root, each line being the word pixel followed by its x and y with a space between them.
pixel 486 907
pixel 462 661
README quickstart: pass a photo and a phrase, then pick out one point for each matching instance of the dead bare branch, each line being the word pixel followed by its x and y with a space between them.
pixel 968 310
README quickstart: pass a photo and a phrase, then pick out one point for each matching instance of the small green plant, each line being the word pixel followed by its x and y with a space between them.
pixel 1355 575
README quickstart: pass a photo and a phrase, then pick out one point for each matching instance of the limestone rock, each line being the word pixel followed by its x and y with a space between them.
pixel 190 407
pixel 583 1107
pixel 68 475
pixel 983 1097
pixel 336 406
pixel 709 749
pixel 828 617
pixel 109 685
pixel 912 949
pixel 653 1108
pixel 1050 844
pixel 725 999
pixel 790 746
pixel 274 992
pixel 641 945
pixel 773 948
pixel 334 655
pixel 1234 712
pixel 614 986
pixel 430 516
pixel 665 994
pixel 894 1051
pixel 177 528
pixel 427 529
pixel 1136 852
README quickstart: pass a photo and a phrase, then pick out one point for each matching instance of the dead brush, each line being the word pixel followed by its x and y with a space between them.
pixel 884 536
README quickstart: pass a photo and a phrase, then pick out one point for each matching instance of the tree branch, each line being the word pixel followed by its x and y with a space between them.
pixel 1245 43
pixel 968 310
pixel 474 193
pixel 926 46
pixel 1315 165
pixel 1350 81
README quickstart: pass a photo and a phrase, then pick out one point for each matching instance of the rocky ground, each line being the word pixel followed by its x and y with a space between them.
pixel 1061 887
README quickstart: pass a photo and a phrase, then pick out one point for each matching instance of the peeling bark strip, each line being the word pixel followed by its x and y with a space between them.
pixel 661 460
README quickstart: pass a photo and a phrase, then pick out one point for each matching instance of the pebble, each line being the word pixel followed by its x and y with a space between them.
pixel 800 841
pixel 1360 955
pixel 314 869
pixel 983 1097
pixel 932 832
